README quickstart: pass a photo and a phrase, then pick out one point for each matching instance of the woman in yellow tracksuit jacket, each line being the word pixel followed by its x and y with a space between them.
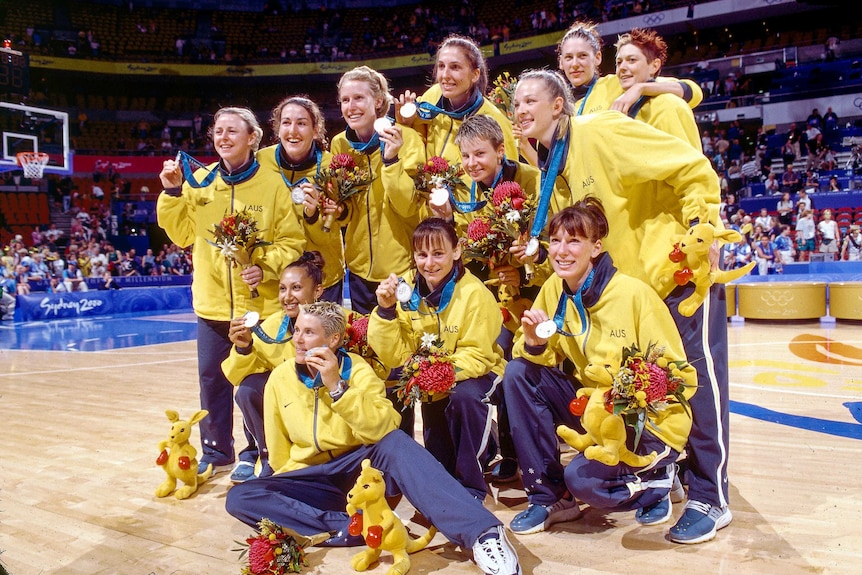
pixel 299 157
pixel 379 221
pixel 450 304
pixel 593 312
pixel 461 80
pixel 221 291
pixel 656 186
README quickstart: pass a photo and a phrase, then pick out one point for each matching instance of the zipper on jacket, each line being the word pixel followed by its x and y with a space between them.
pixel 368 215
pixel 314 420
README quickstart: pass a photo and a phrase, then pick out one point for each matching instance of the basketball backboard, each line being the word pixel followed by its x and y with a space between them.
pixel 30 129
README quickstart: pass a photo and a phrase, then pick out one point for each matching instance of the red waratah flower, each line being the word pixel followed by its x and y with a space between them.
pixel 259 555
pixel 437 165
pixel 506 191
pixel 478 229
pixel 342 161
pixel 435 377
pixel 657 389
pixel 358 331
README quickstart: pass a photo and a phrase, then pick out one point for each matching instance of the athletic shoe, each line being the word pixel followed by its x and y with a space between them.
pixel 655 514
pixel 494 555
pixel 536 518
pixel 505 471
pixel 243 471
pixel 202 467
pixel 677 492
pixel 699 523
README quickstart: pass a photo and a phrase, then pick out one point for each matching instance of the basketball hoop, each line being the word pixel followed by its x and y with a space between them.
pixel 33 163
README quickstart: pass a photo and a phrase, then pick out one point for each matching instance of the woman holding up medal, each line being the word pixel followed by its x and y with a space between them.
pixel 259 347
pixel 380 220
pixel 445 302
pixel 586 312
pixel 221 290
pixel 657 186
pixel 461 80
pixel 299 157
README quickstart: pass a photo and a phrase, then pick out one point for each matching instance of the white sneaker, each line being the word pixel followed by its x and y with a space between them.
pixel 494 555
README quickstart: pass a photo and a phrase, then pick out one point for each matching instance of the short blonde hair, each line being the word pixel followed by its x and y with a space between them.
pixel 330 315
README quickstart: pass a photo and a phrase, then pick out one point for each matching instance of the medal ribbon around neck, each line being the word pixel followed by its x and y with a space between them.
pixel 428 111
pixel 367 147
pixel 473 205
pixel 586 97
pixel 445 298
pixel 185 160
pixel 314 382
pixel 549 178
pixel 577 299
pixel 290 185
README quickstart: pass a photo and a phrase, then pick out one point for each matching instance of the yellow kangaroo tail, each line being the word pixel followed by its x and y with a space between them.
pixel 421 543
pixel 724 276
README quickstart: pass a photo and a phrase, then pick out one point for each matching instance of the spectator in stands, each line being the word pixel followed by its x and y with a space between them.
pixel 764 255
pixel 812 182
pixel 788 153
pixel 729 206
pixel 790 180
pixel 805 234
pixel 834 186
pixel 737 255
pixel 763 220
pixel 181 265
pixel 771 185
pixel 108 282
pixel 7 302
pixel 751 171
pixel 148 262
pixel 784 246
pixel 830 121
pixel 851 250
pixel 830 234
pixel 38 268
pixel 73 278
pixel 794 136
pixel 828 160
pixel 785 209
pixel 814 119
pixel 803 202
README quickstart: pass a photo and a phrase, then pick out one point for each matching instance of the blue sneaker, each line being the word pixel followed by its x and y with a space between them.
pixel 202 467
pixel 699 523
pixel 536 518
pixel 243 471
pixel 655 514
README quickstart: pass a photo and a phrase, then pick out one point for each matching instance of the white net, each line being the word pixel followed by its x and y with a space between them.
pixel 33 164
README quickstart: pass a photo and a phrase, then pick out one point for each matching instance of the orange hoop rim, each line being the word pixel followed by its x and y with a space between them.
pixel 28 157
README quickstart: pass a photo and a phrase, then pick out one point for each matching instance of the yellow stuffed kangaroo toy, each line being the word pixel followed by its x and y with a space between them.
pixel 605 437
pixel 371 516
pixel 178 457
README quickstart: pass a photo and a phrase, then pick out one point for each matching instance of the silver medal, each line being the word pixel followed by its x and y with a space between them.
pixel 251 319
pixel 297 194
pixel 408 110
pixel 380 125
pixel 546 329
pixel 532 247
pixel 403 292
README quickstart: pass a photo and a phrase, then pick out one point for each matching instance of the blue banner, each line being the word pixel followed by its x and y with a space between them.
pixel 35 307
pixel 124 282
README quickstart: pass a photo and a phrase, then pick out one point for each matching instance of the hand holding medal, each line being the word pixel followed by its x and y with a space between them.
pixel 537 327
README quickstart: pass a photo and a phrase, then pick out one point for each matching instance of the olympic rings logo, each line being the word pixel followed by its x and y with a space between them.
pixel 653 19
pixel 858 103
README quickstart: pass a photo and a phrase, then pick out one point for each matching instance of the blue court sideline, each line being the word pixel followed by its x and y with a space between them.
pixel 100 333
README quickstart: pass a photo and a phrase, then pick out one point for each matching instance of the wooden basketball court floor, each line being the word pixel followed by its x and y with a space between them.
pixel 81 429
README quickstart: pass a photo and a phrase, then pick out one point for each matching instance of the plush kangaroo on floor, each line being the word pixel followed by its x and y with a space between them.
pixel 178 457
pixel 371 516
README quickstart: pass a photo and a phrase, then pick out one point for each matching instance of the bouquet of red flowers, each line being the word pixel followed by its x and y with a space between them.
pixel 340 180
pixel 490 236
pixel 236 235
pixel 273 551
pixel 428 371
pixel 356 341
pixel 644 384
pixel 436 177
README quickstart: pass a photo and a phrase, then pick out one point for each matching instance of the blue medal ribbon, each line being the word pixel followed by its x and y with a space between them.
pixel 428 111
pixel 445 297
pixel 578 300
pixel 473 205
pixel 290 185
pixel 592 83
pixel 314 382
pixel 285 332
pixel 368 147
pixel 188 173
pixel 549 178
